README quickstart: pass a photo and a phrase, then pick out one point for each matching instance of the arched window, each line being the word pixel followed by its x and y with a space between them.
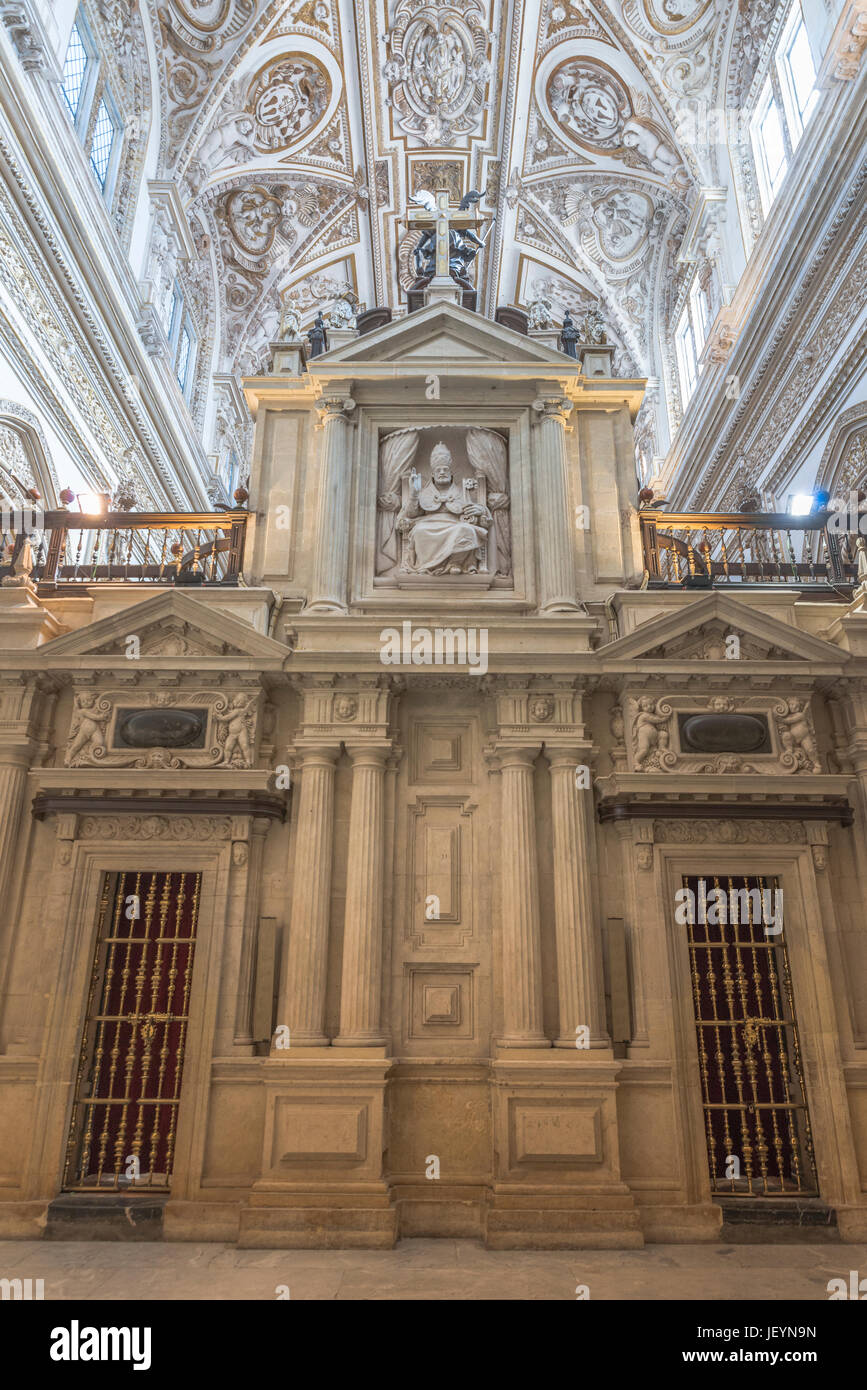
pixel 91 105
pixel 25 463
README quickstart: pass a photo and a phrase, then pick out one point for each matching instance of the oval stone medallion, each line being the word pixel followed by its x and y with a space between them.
pixel 724 733
pixel 161 728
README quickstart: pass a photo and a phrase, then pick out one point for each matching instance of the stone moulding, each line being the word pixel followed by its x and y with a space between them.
pixel 261 804
pixel 832 808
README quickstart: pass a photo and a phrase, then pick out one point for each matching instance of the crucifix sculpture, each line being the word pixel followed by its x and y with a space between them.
pixel 449 244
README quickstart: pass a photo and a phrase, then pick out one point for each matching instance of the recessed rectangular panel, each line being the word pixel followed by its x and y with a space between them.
pixel 547 1132
pixel 304 1130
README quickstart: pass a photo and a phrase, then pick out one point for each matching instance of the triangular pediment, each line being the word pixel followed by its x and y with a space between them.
pixel 444 332
pixel 698 632
pixel 172 625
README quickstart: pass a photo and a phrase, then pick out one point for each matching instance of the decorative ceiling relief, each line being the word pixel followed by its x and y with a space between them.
pixel 197 38
pixel 752 27
pixel 533 228
pixel 205 24
pixel 543 150
pixel 330 147
pixel 563 19
pixel 558 293
pixel 438 68
pixel 264 227
pixel 312 14
pixel 589 101
pixel 667 17
pixel 287 98
pixel 251 216
pixel 613 222
pixel 594 106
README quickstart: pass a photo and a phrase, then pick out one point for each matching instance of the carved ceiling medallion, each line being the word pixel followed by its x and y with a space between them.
pixel 287 98
pixel 252 216
pixel 437 69
pixel 205 24
pixel 615 222
pixel 666 16
pixel 588 100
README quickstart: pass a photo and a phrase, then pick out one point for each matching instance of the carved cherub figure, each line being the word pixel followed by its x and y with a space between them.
pixel 237 729
pixel 797 737
pixel 649 731
pixel 87 732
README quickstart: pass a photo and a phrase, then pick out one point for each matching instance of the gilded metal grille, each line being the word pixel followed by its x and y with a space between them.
pixel 124 1118
pixel 755 1110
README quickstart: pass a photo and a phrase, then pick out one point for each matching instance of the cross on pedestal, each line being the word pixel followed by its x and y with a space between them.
pixel 442 222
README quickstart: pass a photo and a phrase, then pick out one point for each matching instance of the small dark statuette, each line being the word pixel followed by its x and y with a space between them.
pixel 569 336
pixel 318 337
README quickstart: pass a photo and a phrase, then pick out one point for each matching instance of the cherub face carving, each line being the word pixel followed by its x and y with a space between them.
pixel 541 708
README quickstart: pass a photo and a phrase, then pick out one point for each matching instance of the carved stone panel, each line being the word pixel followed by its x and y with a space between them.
pixel 440 752
pixel 722 734
pixel 440 1001
pixel 441 872
pixel 197 729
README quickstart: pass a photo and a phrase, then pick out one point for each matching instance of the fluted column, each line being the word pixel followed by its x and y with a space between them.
pixel 361 981
pixel 328 594
pixel 555 521
pixel 579 962
pixel 521 943
pixel 302 998
pixel 13 780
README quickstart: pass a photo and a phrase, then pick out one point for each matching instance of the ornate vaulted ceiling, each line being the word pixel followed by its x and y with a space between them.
pixel 297 129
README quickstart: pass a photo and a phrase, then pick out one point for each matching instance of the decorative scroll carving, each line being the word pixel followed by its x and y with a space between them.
pixel 154 827
pixel 728 832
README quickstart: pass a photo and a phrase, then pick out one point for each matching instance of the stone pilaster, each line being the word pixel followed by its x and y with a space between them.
pixel 332 522
pixel 521 942
pixel 361 981
pixel 557 584
pixel 579 962
pixel 302 996
pixel 248 860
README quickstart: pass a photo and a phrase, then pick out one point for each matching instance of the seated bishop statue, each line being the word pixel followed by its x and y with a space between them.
pixel 444 526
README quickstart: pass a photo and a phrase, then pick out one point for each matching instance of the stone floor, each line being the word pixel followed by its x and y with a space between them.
pixel 428 1269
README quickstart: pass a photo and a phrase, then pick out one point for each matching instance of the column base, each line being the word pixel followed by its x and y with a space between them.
pixel 326 606
pixel 322 1184
pixel 557 1182
pixel 295 1042
pixel 361 1042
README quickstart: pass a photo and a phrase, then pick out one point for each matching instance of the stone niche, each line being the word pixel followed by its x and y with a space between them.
pixel 443 508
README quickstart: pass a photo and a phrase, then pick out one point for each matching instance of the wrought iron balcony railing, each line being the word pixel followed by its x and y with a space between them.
pixel 68 550
pixel 729 549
